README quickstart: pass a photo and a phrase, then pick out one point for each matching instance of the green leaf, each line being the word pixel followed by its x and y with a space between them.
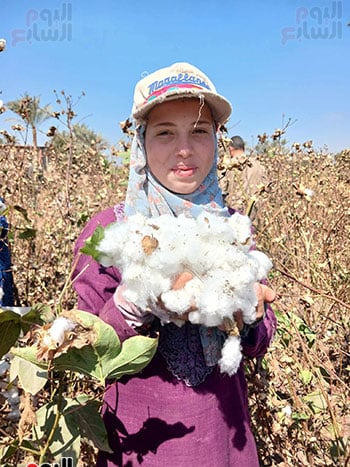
pixel 306 377
pixel 104 357
pixel 66 438
pixel 23 211
pixel 325 375
pixel 10 329
pixel 316 401
pixel 137 352
pixel 299 416
pixel 8 451
pixel 27 233
pixel 90 245
pixel 12 323
pixel 85 414
pixel 79 418
pixel 29 354
pixel 8 315
pixel 33 316
pixel 31 377
pixel 96 359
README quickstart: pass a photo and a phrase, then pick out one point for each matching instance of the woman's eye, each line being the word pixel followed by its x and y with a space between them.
pixel 200 131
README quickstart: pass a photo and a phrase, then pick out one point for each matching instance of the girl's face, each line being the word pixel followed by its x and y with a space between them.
pixel 180 144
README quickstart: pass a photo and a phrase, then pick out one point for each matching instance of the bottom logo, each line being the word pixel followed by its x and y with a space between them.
pixel 64 462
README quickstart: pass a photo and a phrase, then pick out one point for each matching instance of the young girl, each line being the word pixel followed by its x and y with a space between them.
pixel 180 410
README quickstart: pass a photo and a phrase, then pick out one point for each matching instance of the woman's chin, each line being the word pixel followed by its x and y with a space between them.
pixel 182 188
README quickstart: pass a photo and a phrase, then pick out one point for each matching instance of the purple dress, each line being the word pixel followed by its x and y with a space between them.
pixel 154 419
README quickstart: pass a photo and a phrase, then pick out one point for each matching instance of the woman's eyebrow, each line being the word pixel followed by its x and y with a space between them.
pixel 202 122
pixel 164 124
pixel 199 122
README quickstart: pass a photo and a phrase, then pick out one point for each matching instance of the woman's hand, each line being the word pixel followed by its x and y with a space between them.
pixel 181 280
pixel 179 283
pixel 264 295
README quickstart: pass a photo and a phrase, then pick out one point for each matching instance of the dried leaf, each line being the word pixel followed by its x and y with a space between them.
pixel 149 244
pixel 28 418
pixel 77 338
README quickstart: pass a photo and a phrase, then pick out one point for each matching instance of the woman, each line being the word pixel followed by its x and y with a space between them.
pixel 180 411
pixel 6 277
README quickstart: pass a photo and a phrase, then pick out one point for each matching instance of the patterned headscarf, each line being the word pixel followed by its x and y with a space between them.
pixel 149 197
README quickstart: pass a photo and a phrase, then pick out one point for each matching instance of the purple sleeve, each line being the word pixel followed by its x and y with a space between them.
pixel 95 284
pixel 259 338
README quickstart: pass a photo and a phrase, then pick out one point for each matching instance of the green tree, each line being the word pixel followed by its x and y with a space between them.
pixel 85 140
pixel 29 110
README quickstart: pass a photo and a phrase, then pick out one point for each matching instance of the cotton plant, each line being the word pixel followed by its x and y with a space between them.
pixel 217 252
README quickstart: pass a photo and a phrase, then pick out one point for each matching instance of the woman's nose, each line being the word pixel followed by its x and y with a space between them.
pixel 184 147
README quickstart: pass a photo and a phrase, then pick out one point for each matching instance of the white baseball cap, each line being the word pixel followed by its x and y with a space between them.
pixel 174 82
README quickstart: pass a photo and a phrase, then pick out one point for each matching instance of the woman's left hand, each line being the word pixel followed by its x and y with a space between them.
pixel 264 295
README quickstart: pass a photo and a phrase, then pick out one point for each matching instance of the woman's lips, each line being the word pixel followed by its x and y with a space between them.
pixel 184 171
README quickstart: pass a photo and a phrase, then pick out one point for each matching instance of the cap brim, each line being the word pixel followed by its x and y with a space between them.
pixel 220 107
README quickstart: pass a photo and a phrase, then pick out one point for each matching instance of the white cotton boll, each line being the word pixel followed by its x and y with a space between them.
pixel 134 272
pixel 216 250
pixel 168 262
pixel 108 247
pixel 231 355
pixel 136 222
pixel 59 327
pixel 133 251
pixel 144 287
pixel 157 286
pixel 206 256
pixel 113 244
pixel 215 229
pixel 234 259
pixel 198 259
pixel 241 226
pixel 247 302
pixel 216 297
pixel 186 223
pixel 264 263
pixel 137 294
pixel 241 276
pixel 249 313
pixel 180 301
pixel 107 260
pixel 215 309
pixel 209 320
pixel 224 293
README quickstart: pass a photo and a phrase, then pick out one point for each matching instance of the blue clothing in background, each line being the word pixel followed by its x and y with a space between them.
pixel 6 277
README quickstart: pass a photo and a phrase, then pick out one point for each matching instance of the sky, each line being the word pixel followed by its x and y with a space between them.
pixel 274 60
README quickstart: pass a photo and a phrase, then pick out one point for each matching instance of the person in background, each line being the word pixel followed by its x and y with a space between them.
pixel 242 178
pixel 180 410
pixel 6 277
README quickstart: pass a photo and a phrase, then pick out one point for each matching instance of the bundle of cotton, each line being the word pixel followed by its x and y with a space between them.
pixel 217 251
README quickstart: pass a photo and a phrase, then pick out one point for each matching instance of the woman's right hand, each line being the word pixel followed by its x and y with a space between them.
pixel 179 283
pixel 181 280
